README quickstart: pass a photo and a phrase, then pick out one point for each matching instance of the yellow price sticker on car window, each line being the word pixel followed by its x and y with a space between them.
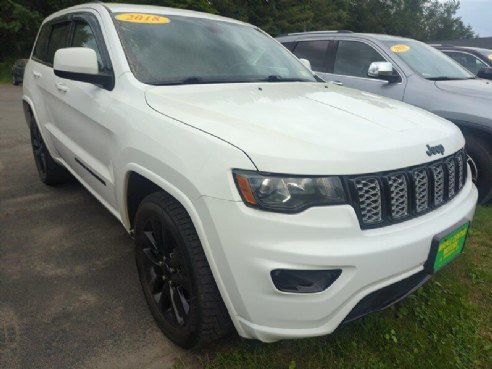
pixel 400 48
pixel 142 18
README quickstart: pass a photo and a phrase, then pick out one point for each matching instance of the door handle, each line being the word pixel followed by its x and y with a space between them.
pixel 36 75
pixel 61 87
pixel 338 83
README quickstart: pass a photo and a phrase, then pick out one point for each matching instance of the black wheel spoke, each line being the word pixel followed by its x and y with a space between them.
pixel 151 239
pixel 152 257
pixel 156 283
pixel 182 280
pixel 177 303
pixel 165 298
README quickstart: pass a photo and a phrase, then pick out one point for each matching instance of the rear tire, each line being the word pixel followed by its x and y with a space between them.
pixel 176 279
pixel 480 153
pixel 14 81
pixel 50 172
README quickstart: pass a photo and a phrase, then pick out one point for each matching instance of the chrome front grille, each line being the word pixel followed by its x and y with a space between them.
pixel 387 198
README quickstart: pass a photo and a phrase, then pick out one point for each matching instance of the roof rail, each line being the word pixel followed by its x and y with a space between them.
pixel 316 32
pixel 442 45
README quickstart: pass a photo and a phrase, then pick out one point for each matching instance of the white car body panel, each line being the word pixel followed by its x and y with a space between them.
pixel 302 128
pixel 188 139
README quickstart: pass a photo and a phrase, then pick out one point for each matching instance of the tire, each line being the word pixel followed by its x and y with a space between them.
pixel 14 80
pixel 175 276
pixel 480 153
pixel 50 172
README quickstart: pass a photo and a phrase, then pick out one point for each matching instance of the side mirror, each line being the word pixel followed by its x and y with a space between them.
pixel 80 64
pixel 485 73
pixel 306 63
pixel 382 70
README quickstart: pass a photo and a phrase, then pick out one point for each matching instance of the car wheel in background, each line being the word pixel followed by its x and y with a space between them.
pixel 14 80
pixel 176 279
pixel 480 161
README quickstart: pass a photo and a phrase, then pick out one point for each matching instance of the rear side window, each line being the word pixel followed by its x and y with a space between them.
pixel 315 52
pixel 58 39
pixel 353 58
pixel 41 46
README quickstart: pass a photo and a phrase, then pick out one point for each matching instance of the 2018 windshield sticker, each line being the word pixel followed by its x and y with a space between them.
pixel 490 56
pixel 142 18
pixel 400 48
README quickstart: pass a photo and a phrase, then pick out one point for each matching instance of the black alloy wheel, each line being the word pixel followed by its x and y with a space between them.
pixel 50 172
pixel 175 275
pixel 39 151
pixel 165 275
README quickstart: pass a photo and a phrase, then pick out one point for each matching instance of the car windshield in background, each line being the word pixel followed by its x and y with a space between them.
pixel 426 61
pixel 186 50
pixel 486 52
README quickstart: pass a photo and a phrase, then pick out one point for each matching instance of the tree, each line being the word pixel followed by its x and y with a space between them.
pixel 420 19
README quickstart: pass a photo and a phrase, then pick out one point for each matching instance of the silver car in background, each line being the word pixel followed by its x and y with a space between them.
pixel 410 71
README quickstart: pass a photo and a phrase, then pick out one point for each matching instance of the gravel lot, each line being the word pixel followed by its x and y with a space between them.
pixel 69 291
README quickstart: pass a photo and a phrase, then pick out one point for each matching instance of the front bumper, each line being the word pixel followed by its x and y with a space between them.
pixel 247 244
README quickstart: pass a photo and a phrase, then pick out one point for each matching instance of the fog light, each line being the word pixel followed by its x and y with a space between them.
pixel 304 281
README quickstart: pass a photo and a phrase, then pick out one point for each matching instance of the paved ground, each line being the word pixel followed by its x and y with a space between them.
pixel 69 291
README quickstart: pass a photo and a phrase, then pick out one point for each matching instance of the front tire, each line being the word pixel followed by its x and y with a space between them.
pixel 50 172
pixel 176 279
pixel 480 153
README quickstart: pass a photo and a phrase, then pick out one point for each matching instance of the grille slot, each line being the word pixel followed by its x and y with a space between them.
pixel 369 196
pixel 407 193
pixel 438 179
pixel 451 166
pixel 421 188
pixel 461 171
pixel 398 195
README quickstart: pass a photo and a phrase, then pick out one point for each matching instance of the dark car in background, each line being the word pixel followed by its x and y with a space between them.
pixel 18 71
pixel 476 60
pixel 410 71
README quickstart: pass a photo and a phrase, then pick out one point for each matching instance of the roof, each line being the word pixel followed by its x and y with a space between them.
pixel 481 42
pixel 342 33
pixel 151 9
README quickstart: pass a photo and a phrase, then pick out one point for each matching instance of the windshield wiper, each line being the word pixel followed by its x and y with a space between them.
pixel 445 78
pixel 195 80
pixel 278 78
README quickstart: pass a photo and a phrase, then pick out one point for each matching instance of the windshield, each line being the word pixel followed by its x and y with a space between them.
pixel 485 52
pixel 187 50
pixel 426 61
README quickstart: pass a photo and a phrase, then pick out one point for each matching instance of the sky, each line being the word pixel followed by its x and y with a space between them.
pixel 478 14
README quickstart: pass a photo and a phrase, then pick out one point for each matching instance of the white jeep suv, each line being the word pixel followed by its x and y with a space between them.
pixel 258 196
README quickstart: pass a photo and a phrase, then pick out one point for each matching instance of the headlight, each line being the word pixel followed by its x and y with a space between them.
pixel 285 193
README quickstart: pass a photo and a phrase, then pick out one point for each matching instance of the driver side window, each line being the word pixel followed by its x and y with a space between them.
pixel 84 37
pixel 353 58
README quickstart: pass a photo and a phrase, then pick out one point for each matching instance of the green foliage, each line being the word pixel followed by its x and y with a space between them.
pixel 420 19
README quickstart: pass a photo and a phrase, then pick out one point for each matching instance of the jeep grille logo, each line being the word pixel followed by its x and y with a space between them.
pixel 434 150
